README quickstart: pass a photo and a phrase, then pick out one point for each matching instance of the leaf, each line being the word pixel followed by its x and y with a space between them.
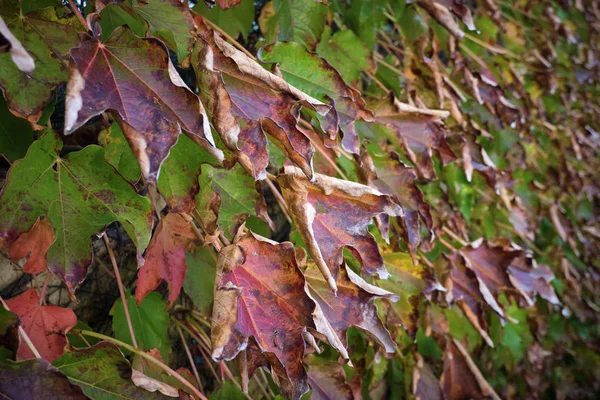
pixel 15 133
pixel 260 294
pixel 178 182
pixel 225 4
pixel 150 322
pixel 200 277
pixel 102 372
pixel 34 245
pixel 165 257
pixel 531 279
pixel 113 15
pixel 417 131
pixel 461 378
pixel 332 214
pixel 46 326
pixel 328 381
pixel 235 21
pixel 301 21
pixel 345 52
pixel 353 305
pixel 47 39
pixel 118 154
pixel 35 379
pixel 227 391
pixel 439 11
pixel 315 76
pixel 19 55
pixel 145 91
pixel 246 94
pixel 79 194
pixel 425 385
pixel 9 332
pixel 152 378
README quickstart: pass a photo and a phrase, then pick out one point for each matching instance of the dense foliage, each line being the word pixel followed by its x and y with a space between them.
pixel 339 199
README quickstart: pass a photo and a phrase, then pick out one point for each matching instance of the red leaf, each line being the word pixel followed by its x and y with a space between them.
pixel 332 214
pixel 260 293
pixel 33 244
pixel 353 305
pixel 328 381
pixel 165 257
pixel 135 78
pixel 46 326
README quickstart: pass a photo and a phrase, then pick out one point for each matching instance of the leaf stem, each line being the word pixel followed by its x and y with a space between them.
pixel 78 14
pixel 148 357
pixel 23 334
pixel 113 261
pixel 190 358
pixel 278 197
pixel 448 245
pixel 44 287
pixel 454 236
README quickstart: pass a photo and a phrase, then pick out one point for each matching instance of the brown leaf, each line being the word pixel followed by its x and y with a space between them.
pixel 531 279
pixel 165 257
pixel 332 214
pixel 461 379
pixel 419 131
pixel 135 78
pixel 439 11
pixel 33 244
pixel 259 293
pixel 244 99
pixel 425 384
pixel 46 326
pixel 328 381
pixel 353 305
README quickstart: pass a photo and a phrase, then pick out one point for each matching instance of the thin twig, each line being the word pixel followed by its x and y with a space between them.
pixel 448 245
pixel 389 66
pixel 148 357
pixel 493 49
pixel 44 287
pixel 121 290
pixel 278 197
pixel 454 236
pixel 78 14
pixel 243 363
pixel 321 150
pixel 377 81
pixel 190 358
pixel 23 334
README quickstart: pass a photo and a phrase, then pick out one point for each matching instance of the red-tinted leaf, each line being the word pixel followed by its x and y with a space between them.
pixel 35 379
pixel 260 293
pixel 419 131
pixel 328 381
pixel 33 244
pixel 225 4
pixel 332 214
pixel 135 78
pixel 165 257
pixel 352 306
pixel 461 379
pixel 46 326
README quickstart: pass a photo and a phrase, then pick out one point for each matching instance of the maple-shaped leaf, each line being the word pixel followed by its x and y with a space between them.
pixel 135 78
pixel 315 76
pixel 101 371
pixel 332 214
pixel 531 279
pixel 461 379
pixel 490 262
pixel 34 245
pixel 47 38
pixel 327 380
pixel 390 176
pixel 353 305
pixel 165 257
pixel 425 384
pixel 35 379
pixel 79 195
pixel 246 94
pixel 46 326
pixel 409 281
pixel 259 293
pixel 419 132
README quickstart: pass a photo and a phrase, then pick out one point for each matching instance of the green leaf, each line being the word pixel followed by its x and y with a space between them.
pixel 228 391
pixel 178 179
pixel 301 21
pixel 114 15
pixel 77 340
pixel 200 277
pixel 80 194
pixel 48 38
pixel 150 323
pixel 102 373
pixel 412 24
pixel 15 133
pixel 345 52
pixel 235 20
pixel 118 153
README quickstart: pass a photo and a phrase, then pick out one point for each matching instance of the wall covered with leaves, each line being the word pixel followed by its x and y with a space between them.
pixel 343 199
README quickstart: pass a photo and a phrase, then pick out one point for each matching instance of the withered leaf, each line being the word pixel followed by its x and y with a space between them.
pixel 353 305
pixel 327 381
pixel 259 293
pixel 135 78
pixel 419 133
pixel 33 244
pixel 425 384
pixel 332 214
pixel 531 279
pixel 165 257
pixel 46 326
